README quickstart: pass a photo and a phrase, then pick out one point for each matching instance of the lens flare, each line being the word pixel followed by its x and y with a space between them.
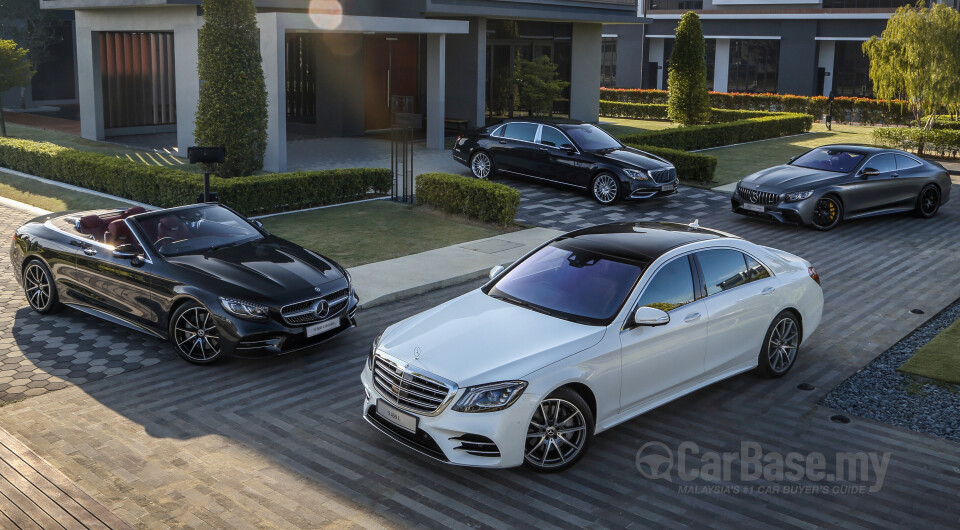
pixel 326 14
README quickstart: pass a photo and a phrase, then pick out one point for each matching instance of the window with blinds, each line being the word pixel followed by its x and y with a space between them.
pixel 139 86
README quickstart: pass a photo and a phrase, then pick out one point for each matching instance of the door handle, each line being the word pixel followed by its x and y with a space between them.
pixel 90 251
pixel 895 175
pixel 503 141
pixel 544 149
pixel 692 317
pixel 768 290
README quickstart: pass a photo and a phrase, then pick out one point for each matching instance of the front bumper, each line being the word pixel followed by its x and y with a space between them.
pixel 648 189
pixel 270 338
pixel 456 437
pixel 800 212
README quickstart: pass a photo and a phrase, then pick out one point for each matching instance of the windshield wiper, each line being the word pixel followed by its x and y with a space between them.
pixel 522 303
pixel 605 150
pixel 225 245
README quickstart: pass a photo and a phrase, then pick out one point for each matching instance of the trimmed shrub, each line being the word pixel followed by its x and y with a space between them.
pixel 482 200
pixel 690 166
pixel 658 111
pixel 939 142
pixel 232 109
pixel 688 102
pixel 719 134
pixel 167 187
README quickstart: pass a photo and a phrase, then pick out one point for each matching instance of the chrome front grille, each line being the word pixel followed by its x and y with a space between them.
pixel 407 389
pixel 305 312
pixel 664 176
pixel 758 197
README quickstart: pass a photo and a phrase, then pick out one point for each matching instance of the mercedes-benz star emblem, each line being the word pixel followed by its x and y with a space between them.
pixel 317 289
pixel 416 353
pixel 322 309
pixel 754 196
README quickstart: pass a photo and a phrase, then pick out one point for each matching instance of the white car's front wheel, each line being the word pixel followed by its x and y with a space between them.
pixel 559 433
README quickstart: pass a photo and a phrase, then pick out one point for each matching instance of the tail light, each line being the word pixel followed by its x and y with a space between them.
pixel 459 137
pixel 813 274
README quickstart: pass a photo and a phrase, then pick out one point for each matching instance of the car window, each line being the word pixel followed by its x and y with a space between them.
pixel 722 269
pixel 520 131
pixel 883 163
pixel 670 288
pixel 554 138
pixel 195 230
pixel 755 270
pixel 569 282
pixel 590 138
pixel 905 162
pixel 828 159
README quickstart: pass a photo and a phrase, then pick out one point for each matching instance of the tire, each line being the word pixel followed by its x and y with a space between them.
pixel 39 288
pixel 781 346
pixel 827 213
pixel 928 202
pixel 481 165
pixel 605 188
pixel 548 449
pixel 194 334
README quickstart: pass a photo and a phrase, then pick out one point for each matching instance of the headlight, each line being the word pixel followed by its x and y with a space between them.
pixel 373 350
pixel 244 309
pixel 799 195
pixel 637 174
pixel 488 398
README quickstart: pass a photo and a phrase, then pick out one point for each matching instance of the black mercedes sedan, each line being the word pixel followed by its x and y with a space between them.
pixel 831 183
pixel 204 277
pixel 573 154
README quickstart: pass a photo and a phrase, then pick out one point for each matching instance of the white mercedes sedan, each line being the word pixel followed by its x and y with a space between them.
pixel 589 330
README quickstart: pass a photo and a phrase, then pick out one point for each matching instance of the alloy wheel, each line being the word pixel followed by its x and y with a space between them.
pixel 783 344
pixel 38 287
pixel 196 335
pixel 481 165
pixel 605 189
pixel 826 213
pixel 929 201
pixel 556 434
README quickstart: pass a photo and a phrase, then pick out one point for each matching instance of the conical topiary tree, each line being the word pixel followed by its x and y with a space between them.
pixel 688 100
pixel 232 110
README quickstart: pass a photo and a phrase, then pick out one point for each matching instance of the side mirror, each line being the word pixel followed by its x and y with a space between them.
pixel 650 316
pixel 494 272
pixel 869 172
pixel 257 223
pixel 128 251
pixel 792 158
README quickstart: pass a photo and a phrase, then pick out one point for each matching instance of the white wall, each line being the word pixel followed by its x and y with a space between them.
pixel 721 66
pixel 825 61
pixel 585 72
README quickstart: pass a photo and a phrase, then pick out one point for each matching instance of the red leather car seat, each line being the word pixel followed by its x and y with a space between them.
pixel 133 210
pixel 173 228
pixel 118 234
pixel 93 225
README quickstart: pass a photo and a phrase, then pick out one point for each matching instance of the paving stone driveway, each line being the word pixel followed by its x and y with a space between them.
pixel 281 442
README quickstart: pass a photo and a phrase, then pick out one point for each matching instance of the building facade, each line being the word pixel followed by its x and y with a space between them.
pixel 804 47
pixel 337 68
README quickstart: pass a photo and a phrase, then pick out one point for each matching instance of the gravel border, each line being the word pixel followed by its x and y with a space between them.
pixel 879 392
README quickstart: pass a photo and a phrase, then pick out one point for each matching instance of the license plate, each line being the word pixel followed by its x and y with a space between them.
pixel 322 327
pixel 407 422
pixel 753 207
pixel 668 187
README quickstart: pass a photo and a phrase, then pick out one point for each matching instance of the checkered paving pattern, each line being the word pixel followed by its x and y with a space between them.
pixel 40 353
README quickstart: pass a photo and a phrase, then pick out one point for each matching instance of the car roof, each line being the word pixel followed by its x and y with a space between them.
pixel 640 241
pixel 859 148
pixel 545 121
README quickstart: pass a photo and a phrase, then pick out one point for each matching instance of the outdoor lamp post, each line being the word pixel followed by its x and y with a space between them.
pixel 206 155
pixel 829 118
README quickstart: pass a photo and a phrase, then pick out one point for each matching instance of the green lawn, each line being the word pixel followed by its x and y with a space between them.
pixel 938 359
pixel 736 162
pixel 367 232
pixel 50 197
pixel 145 156
pixel 624 126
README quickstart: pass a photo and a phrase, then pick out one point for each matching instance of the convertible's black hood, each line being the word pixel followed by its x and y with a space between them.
pixel 786 177
pixel 269 268
pixel 636 158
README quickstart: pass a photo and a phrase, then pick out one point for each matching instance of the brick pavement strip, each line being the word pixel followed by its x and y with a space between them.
pixel 280 442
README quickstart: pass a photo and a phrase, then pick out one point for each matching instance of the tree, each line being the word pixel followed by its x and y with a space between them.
pixel 232 110
pixel 33 28
pixel 538 84
pixel 688 100
pixel 917 59
pixel 15 71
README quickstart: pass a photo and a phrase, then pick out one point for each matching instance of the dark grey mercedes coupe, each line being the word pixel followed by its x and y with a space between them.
pixel 831 183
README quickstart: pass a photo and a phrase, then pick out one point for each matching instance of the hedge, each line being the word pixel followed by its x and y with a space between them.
pixel 168 187
pixel 940 142
pixel 658 111
pixel 482 200
pixel 720 134
pixel 845 109
pixel 690 166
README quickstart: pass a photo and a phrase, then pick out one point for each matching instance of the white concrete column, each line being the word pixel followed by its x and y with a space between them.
pixel 89 89
pixel 481 114
pixel 585 72
pixel 721 66
pixel 185 53
pixel 273 50
pixel 827 49
pixel 436 88
pixel 656 56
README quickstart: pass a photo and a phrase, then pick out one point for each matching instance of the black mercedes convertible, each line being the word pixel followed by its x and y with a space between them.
pixel 206 278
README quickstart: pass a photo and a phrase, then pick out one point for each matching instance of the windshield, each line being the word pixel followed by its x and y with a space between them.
pixel 829 160
pixel 591 138
pixel 196 230
pixel 567 282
